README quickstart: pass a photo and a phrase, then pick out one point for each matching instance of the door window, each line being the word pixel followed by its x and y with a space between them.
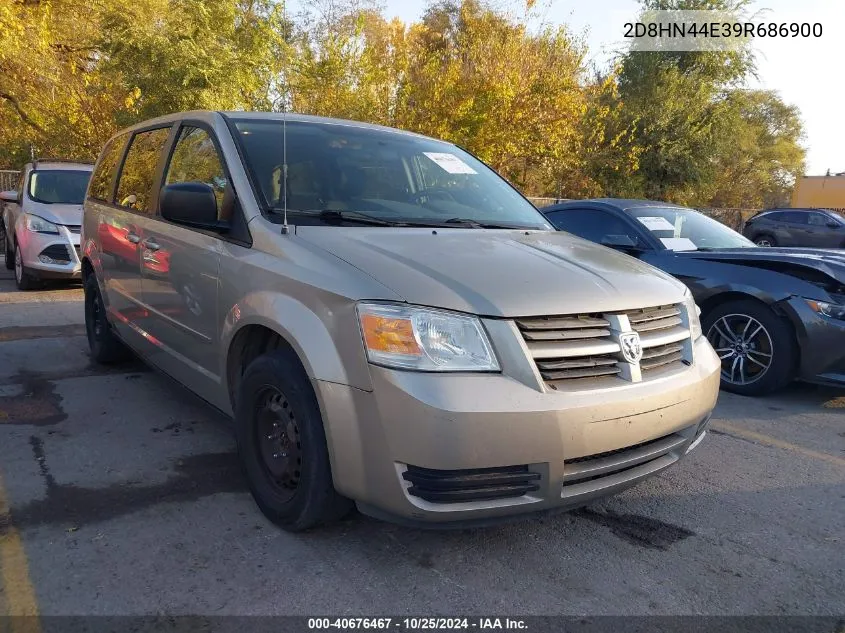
pixel 592 224
pixel 103 176
pixel 134 190
pixel 195 159
pixel 817 219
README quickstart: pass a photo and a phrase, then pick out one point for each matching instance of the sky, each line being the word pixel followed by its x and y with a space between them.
pixel 807 73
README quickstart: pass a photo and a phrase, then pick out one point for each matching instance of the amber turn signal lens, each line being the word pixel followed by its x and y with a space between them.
pixel 394 336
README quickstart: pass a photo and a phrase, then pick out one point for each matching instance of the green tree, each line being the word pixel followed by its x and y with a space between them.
pixel 758 152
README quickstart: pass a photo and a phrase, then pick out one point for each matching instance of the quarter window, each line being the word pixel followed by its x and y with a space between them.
pixel 103 176
pixel 195 159
pixel 134 190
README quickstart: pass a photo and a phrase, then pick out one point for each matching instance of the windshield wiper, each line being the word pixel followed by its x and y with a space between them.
pixel 333 216
pixel 475 224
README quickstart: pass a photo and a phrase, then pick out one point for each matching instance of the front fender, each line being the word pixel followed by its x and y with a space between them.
pixel 326 338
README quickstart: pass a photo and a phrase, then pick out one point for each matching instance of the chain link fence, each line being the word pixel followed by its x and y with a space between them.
pixel 8 181
pixel 734 218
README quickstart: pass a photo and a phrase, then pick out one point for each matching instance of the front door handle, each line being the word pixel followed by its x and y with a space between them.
pixel 150 244
pixel 132 238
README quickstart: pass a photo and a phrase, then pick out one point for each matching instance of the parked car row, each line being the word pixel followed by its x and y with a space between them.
pixel 391 324
pixel 772 314
pixel 42 220
pixel 817 228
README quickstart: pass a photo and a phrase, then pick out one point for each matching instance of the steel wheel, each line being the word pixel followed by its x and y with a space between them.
pixel 279 441
pixel 744 346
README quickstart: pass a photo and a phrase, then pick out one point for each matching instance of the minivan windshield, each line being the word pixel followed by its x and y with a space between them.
pixel 680 229
pixel 345 173
pixel 58 186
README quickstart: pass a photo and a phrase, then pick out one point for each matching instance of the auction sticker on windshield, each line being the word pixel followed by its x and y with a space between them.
pixel 450 163
pixel 656 223
pixel 679 244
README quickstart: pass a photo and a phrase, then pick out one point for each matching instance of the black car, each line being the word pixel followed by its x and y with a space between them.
pixel 772 314
pixel 817 228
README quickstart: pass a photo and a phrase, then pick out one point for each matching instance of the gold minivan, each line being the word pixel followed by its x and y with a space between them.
pixel 388 322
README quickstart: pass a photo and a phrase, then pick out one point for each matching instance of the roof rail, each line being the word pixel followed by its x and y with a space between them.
pixel 61 160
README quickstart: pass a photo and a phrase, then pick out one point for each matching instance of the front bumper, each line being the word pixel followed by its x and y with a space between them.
pixel 50 256
pixel 821 343
pixel 414 430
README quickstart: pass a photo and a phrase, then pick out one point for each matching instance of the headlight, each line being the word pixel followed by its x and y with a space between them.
pixel 38 224
pixel 832 310
pixel 424 339
pixel 694 313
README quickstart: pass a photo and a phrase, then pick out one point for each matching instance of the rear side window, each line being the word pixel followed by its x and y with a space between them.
pixel 103 176
pixel 195 159
pixel 134 189
pixel 794 217
pixel 774 216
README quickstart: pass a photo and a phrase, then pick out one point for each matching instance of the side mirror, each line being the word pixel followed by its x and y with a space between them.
pixel 620 242
pixel 9 196
pixel 192 204
pixel 833 224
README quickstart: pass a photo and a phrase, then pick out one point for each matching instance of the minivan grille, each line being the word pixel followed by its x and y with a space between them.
pixel 586 346
pixel 650 319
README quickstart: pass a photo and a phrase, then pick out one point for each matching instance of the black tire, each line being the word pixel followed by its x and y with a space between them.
pixel 304 495
pixel 8 252
pixel 105 347
pixel 767 239
pixel 781 345
pixel 23 278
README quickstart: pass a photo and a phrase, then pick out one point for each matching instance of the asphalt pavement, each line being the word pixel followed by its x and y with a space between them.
pixel 120 493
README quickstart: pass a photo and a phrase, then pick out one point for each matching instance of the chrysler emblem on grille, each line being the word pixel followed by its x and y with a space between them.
pixel 632 350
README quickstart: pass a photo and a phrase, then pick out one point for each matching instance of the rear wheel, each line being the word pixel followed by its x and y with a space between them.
pixel 756 347
pixel 282 444
pixel 105 347
pixel 23 278
pixel 765 240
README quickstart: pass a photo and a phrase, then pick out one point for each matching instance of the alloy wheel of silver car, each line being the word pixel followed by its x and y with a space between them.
pixel 18 266
pixel 744 347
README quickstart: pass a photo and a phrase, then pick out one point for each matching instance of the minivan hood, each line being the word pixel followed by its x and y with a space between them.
pixel 70 214
pixel 500 273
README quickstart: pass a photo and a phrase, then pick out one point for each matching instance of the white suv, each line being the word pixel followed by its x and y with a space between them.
pixel 42 221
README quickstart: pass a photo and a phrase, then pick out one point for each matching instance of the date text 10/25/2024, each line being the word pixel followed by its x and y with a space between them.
pixel 417 624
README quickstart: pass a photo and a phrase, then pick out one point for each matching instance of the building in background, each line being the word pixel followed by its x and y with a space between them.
pixel 820 192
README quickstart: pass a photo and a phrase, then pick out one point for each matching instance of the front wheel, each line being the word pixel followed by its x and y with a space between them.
pixel 756 347
pixel 765 241
pixel 282 445
pixel 23 278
